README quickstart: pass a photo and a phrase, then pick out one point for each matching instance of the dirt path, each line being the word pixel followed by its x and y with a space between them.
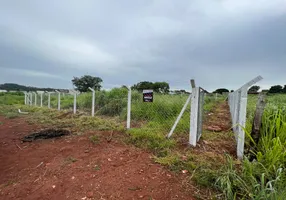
pixel 219 118
pixel 74 168
pixel 218 137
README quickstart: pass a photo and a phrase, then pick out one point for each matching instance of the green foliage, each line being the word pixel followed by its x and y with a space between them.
pixel 83 83
pixel 254 89
pixel 160 87
pixel 221 90
pixel 252 182
pixel 94 139
pixel 11 98
pixel 276 89
pixel 70 160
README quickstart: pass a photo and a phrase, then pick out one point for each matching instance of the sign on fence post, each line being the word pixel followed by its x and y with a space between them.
pixel 129 108
pixel 93 101
pixel 147 95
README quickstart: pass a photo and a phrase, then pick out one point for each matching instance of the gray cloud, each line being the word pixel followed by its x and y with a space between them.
pixel 219 43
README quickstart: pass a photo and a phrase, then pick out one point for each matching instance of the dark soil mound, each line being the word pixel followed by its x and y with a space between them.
pixel 46 134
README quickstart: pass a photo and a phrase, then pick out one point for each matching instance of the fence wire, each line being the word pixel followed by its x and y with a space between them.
pixel 161 113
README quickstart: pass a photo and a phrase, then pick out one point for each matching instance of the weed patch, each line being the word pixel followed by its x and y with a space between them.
pixel 151 139
pixel 94 139
pixel 70 160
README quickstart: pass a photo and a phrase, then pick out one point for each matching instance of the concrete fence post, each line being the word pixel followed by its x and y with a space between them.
pixel 93 101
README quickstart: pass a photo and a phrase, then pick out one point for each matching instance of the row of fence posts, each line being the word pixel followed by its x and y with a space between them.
pixel 30 95
pixel 196 99
pixel 237 101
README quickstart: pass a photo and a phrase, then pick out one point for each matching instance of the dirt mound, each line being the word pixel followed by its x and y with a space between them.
pixel 46 134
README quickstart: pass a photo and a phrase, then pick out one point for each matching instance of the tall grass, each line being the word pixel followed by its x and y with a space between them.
pixel 265 177
pixel 11 98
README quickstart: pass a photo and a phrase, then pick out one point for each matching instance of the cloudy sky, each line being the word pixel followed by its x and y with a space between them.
pixel 219 43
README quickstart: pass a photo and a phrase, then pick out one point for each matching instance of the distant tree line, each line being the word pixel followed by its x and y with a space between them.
pixel 277 89
pixel 254 89
pixel 17 87
pixel 85 82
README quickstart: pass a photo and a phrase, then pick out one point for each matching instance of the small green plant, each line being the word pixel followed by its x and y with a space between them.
pixel 94 139
pixel 96 168
pixel 70 160
pixel 10 182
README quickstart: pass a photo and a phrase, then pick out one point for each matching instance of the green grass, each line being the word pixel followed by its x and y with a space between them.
pixel 70 160
pixel 96 168
pixel 265 177
pixel 94 139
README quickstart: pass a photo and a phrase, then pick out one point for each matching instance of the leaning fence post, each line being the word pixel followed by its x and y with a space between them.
pixel 93 100
pixel 59 99
pixel 129 108
pixel 180 116
pixel 257 121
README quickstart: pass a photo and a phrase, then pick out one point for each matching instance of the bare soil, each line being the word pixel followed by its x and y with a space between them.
pixel 72 167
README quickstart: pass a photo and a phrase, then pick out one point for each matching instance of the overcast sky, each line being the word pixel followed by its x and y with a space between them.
pixel 219 43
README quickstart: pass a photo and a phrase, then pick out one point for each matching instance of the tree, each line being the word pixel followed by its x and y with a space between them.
pixel 284 89
pixel 254 89
pixel 276 89
pixel 221 90
pixel 83 83
pixel 142 86
pixel 161 87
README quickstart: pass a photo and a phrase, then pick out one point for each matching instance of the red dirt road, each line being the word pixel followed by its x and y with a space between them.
pixel 72 167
